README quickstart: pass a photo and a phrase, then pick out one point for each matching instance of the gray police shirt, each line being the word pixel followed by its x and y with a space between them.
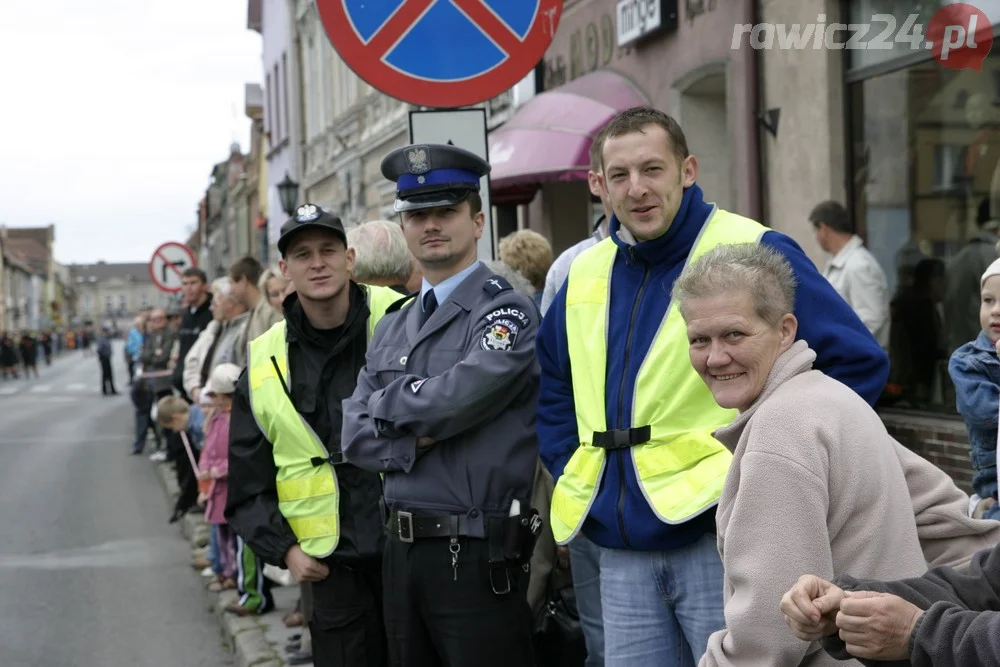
pixel 468 379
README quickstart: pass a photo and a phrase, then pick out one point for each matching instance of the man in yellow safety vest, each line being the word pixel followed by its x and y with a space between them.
pixel 292 497
pixel 624 422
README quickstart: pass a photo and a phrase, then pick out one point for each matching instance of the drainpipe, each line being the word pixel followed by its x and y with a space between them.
pixel 758 98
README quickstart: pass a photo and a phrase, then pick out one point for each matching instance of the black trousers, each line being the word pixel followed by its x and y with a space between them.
pixel 437 616
pixel 346 624
pixel 107 377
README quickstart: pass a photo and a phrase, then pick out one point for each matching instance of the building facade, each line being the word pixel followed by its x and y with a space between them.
pixel 114 293
pixel 912 147
pixel 348 128
pixel 282 117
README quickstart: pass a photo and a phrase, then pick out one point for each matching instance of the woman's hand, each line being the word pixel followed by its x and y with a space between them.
pixel 877 626
pixel 202 499
pixel 202 475
pixel 810 608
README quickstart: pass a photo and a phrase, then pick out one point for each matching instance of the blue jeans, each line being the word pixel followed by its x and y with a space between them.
pixel 660 607
pixel 585 562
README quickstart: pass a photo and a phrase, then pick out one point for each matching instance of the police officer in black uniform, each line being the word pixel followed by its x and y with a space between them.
pixel 445 409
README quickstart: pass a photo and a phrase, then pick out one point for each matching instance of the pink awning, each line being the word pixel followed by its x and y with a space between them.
pixel 548 139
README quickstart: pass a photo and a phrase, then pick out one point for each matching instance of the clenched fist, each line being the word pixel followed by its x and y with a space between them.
pixel 811 607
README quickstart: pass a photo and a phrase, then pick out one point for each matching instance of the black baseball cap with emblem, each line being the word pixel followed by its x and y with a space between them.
pixel 309 216
pixel 430 175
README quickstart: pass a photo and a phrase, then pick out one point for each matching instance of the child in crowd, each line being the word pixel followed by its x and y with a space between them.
pixel 213 468
pixel 975 371
pixel 174 416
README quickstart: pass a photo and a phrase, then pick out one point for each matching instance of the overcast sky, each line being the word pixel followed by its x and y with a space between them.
pixel 113 113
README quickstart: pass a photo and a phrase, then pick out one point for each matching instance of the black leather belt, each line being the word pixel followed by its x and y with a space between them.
pixel 407 527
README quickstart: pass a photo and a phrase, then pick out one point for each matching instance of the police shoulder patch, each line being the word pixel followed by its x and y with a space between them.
pixel 495 285
pixel 399 303
pixel 500 334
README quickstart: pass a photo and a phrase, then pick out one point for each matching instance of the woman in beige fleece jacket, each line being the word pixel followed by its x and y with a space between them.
pixel 816 484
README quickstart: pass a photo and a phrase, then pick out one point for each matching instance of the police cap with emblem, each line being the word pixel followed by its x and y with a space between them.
pixel 429 175
pixel 309 216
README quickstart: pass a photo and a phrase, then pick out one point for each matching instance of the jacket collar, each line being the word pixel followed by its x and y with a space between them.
pixel 794 361
pixel 983 344
pixel 840 259
pixel 462 298
pixel 674 246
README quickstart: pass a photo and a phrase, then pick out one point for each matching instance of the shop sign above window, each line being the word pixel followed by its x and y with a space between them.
pixel 639 18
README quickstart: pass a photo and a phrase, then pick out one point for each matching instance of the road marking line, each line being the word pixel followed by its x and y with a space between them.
pixel 40 389
pixel 7 391
pixel 76 386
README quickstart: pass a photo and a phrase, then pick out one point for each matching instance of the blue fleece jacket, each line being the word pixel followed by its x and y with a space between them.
pixel 642 278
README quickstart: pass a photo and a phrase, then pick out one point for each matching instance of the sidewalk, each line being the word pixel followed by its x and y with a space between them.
pixel 256 641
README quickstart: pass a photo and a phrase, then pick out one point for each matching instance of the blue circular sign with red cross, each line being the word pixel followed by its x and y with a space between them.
pixel 441 53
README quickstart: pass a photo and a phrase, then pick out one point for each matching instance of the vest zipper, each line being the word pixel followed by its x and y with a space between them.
pixel 619 454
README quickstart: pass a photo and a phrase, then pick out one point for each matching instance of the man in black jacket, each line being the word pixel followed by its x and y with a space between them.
pixel 197 316
pixel 327 325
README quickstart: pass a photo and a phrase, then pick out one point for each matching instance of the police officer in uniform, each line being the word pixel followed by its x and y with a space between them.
pixel 444 408
pixel 291 496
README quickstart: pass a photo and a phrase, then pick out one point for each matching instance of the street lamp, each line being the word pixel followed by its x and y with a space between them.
pixel 288 193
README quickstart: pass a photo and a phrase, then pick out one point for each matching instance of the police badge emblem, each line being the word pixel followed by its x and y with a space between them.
pixel 418 160
pixel 500 335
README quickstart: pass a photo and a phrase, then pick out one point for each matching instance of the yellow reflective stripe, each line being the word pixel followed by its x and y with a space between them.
pixel 306 487
pixel 312 527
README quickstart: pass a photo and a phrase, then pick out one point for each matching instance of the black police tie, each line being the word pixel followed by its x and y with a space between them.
pixel 430 305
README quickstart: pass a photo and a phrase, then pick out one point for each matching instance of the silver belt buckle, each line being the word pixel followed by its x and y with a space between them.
pixel 404 526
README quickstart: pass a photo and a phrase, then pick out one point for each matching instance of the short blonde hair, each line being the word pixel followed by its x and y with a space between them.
pixel 753 269
pixel 169 407
pixel 269 274
pixel 530 253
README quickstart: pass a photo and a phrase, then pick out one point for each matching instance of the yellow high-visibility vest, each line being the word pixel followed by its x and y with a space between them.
pixel 308 496
pixel 680 467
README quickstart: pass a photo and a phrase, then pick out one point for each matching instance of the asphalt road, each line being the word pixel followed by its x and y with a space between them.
pixel 91 573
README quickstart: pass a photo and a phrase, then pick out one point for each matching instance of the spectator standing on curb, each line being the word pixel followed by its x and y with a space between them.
pixel 614 398
pixel 292 496
pixel 196 316
pixel 213 468
pixel 133 345
pixel 273 286
pixel 852 269
pixel 530 254
pixel 245 275
pixel 383 258
pixel 104 357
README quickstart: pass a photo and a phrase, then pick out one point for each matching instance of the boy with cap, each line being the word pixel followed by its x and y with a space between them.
pixel 445 409
pixel 292 497
pixel 975 371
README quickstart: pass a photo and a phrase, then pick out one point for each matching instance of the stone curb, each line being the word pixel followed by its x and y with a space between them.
pixel 245 636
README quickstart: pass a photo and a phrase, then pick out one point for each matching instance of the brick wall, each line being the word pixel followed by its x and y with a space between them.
pixel 941 440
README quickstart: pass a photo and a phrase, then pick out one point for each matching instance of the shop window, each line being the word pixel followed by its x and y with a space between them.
pixel 925 151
